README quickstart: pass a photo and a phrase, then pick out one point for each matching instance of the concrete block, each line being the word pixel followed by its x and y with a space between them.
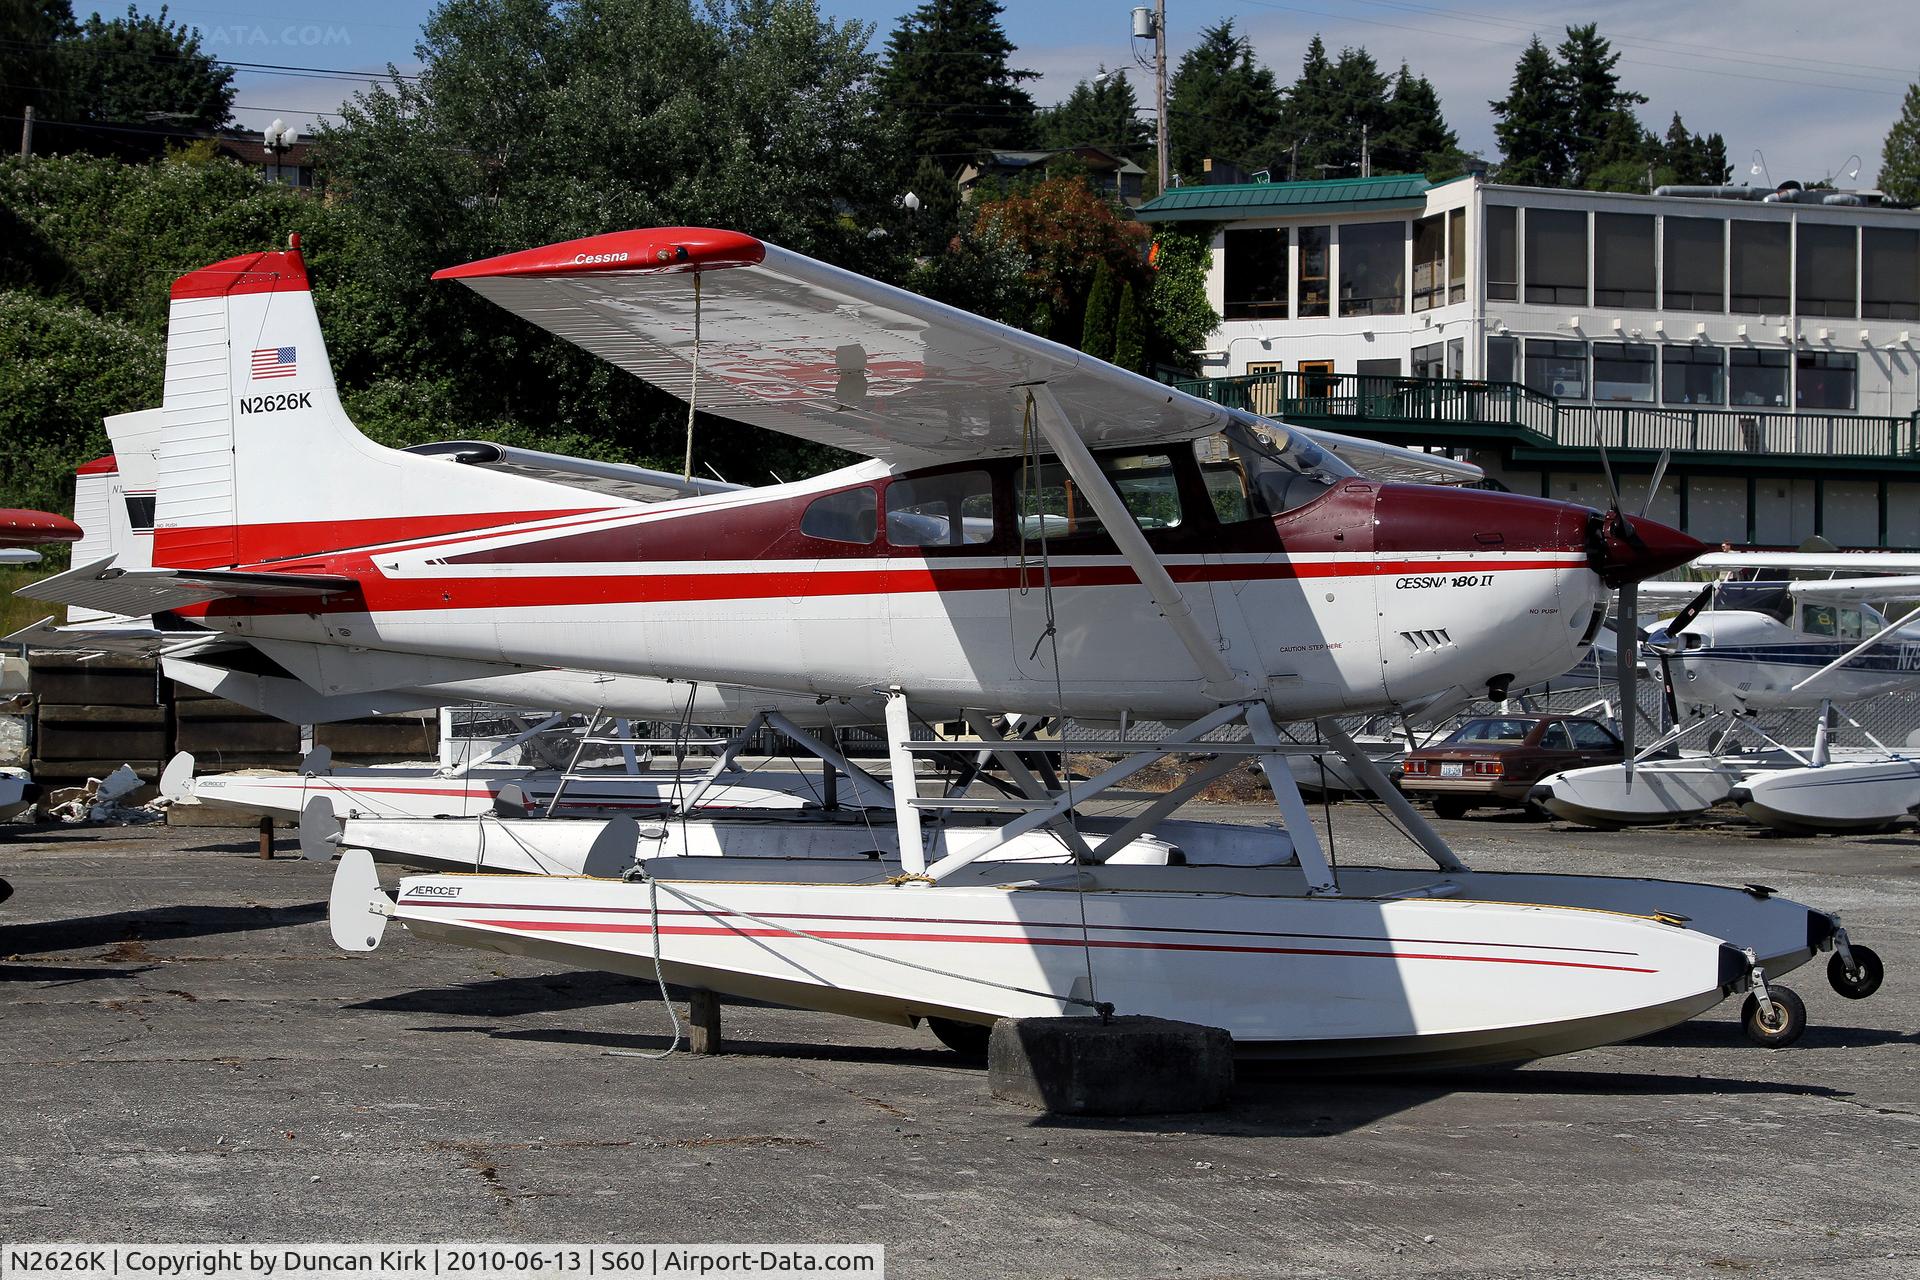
pixel 1127 1066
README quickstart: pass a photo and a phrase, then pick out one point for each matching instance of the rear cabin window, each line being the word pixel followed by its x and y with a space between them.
pixel 952 510
pixel 1052 504
pixel 1555 738
pixel 851 516
pixel 1589 736
pixel 1493 730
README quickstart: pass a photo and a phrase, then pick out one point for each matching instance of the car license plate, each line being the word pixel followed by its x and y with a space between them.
pixel 1452 769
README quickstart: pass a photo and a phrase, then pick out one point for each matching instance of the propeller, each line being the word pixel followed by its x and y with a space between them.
pixel 1627 612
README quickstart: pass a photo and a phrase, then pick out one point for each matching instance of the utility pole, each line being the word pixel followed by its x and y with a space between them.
pixel 26 136
pixel 1366 153
pixel 1160 82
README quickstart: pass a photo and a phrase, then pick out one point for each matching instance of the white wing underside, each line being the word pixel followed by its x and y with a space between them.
pixel 807 349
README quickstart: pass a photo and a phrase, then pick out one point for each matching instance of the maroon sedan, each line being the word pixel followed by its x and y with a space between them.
pixel 1492 762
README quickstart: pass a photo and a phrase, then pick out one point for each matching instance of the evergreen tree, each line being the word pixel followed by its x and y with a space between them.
pixel 1221 105
pixel 1416 138
pixel 1130 332
pixel 1605 134
pixel 144 70
pixel 1099 113
pixel 1103 301
pixel 948 77
pixel 30 66
pixel 1690 159
pixel 1900 154
pixel 938 218
pixel 1534 122
pixel 1311 124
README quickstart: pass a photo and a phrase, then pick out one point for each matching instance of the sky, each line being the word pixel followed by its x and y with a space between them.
pixel 1802 90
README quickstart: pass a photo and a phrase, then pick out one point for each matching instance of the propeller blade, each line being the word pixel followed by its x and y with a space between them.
pixel 1653 485
pixel 1666 689
pixel 1626 664
pixel 1684 619
pixel 1606 468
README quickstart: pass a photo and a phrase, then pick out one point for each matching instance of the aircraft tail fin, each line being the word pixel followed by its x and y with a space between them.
pixel 257 459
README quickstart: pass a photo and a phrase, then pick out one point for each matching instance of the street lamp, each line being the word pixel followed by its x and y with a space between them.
pixel 279 138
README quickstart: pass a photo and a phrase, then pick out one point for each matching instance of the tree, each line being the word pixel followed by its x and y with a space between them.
pixel 536 120
pixel 1098 113
pixel 1690 159
pixel 1103 300
pixel 1065 232
pixel 1603 128
pixel 1533 122
pixel 143 70
pixel 30 68
pixel 947 76
pixel 1130 332
pixel 1179 314
pixel 1416 138
pixel 1222 106
pixel 939 215
pixel 1900 153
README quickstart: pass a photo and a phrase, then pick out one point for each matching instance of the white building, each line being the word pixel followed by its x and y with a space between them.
pixel 1770 344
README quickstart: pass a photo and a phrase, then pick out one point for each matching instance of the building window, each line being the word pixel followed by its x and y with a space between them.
pixel 1623 370
pixel 1557 256
pixel 1828 271
pixel 1694 375
pixel 950 510
pixel 1430 361
pixel 1556 369
pixel 1373 269
pixel 1827 380
pixel 1312 269
pixel 1501 353
pixel 1760 267
pixel 1503 253
pixel 1429 262
pixel 1456 255
pixel 1889 274
pixel 1622 261
pixel 1694 264
pixel 1256 274
pixel 1757 377
pixel 1457 358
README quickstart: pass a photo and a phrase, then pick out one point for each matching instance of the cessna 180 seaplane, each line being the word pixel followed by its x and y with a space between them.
pixel 1767 643
pixel 1033 532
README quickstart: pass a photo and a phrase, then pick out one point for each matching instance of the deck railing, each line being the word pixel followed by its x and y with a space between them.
pixel 1531 417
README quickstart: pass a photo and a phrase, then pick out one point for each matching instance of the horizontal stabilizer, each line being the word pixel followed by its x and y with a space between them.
pixel 141 591
pixel 134 639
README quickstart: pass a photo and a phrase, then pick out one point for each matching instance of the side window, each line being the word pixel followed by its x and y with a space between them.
pixel 1145 482
pixel 1850 624
pixel 1817 619
pixel 1592 737
pixel 953 510
pixel 848 516
pixel 1225 479
pixel 1554 737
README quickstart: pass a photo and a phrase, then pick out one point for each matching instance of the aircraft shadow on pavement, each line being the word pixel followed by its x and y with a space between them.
pixel 1819 1035
pixel 124 929
pixel 506 997
pixel 60 975
pixel 655 1042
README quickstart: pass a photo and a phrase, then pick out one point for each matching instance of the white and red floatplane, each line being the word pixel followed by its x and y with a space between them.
pixel 1034 534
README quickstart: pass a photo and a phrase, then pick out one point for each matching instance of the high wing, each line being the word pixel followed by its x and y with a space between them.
pixel 797 346
pixel 1825 590
pixel 22 528
pixel 136 592
pixel 615 479
pixel 1824 561
pixel 18 555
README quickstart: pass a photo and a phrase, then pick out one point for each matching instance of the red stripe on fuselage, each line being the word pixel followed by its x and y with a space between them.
pixel 383 595
pixel 257 544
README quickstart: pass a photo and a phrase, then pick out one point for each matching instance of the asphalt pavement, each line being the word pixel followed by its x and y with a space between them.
pixel 187 1057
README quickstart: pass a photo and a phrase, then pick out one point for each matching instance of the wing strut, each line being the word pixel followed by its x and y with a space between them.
pixel 1220 681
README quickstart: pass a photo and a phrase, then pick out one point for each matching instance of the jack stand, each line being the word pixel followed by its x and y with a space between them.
pixel 266 839
pixel 703 1023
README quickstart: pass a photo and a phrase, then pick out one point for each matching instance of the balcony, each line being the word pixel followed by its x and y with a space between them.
pixel 1540 428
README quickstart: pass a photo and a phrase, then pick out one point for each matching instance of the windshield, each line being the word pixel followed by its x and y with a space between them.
pixel 1265 470
pixel 1493 729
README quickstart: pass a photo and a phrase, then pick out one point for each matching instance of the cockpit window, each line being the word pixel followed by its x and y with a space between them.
pixel 1276 470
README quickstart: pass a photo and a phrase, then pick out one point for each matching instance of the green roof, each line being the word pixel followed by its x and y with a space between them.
pixel 1276 199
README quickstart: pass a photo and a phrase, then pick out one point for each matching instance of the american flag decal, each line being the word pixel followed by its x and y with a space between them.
pixel 273 362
